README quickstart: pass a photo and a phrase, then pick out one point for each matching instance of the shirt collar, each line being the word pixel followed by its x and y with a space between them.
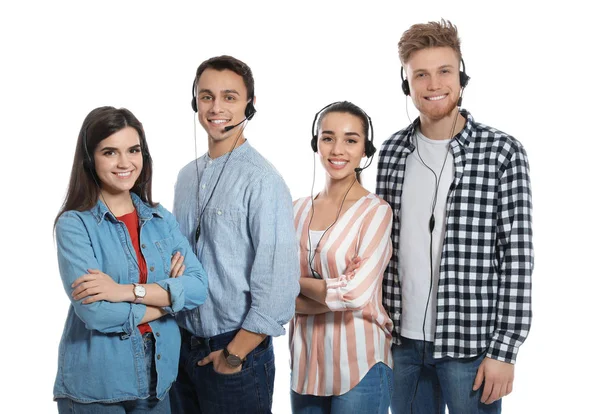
pixel 463 137
pixel 100 211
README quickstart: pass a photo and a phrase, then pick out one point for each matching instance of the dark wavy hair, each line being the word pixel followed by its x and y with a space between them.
pixel 84 185
pixel 224 62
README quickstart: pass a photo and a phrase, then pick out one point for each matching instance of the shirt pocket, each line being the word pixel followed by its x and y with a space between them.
pixel 227 231
pixel 165 251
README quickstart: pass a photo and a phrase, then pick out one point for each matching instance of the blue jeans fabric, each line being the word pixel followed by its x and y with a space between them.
pixel 140 406
pixel 428 387
pixel 202 390
pixel 372 395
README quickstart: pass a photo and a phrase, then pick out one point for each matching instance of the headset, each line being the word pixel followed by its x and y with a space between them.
pixel 464 80
pixel 248 112
pixel 462 75
pixel 89 163
pixel 369 146
pixel 369 152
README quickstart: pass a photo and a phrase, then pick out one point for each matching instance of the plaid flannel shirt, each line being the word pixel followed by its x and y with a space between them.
pixel 484 292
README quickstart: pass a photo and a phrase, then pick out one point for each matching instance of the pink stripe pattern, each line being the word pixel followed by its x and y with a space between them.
pixel 332 352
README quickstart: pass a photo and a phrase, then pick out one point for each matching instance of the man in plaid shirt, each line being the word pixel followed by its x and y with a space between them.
pixel 458 287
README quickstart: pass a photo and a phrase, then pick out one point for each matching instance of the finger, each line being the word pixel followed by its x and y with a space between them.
pixel 174 259
pixel 176 263
pixel 87 292
pixel 83 287
pixel 478 378
pixel 502 391
pixel 94 271
pixel 92 299
pixel 181 270
pixel 177 269
pixel 495 394
pixel 206 360
pixel 81 279
pixel 487 391
pixel 509 388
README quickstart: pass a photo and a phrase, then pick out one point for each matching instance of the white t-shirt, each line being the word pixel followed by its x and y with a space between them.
pixel 415 237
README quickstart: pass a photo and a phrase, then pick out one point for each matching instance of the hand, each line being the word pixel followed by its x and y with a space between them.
pixel 352 267
pixel 177 266
pixel 219 364
pixel 96 286
pixel 498 377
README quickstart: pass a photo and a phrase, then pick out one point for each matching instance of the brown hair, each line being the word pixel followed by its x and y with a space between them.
pixel 224 62
pixel 425 35
pixel 84 186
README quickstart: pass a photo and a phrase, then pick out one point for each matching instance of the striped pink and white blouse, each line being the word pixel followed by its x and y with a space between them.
pixel 333 351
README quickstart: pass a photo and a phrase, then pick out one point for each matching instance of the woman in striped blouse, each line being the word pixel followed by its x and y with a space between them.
pixel 340 337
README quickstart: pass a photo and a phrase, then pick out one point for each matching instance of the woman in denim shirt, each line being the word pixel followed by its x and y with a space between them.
pixel 116 252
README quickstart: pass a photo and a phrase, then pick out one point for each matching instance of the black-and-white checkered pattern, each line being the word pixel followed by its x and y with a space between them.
pixel 484 293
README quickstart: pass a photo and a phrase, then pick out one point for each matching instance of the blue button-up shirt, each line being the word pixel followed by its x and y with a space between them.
pixel 101 353
pixel 247 242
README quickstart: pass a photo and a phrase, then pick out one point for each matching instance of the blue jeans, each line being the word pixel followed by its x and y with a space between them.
pixel 428 387
pixel 149 405
pixel 202 390
pixel 371 395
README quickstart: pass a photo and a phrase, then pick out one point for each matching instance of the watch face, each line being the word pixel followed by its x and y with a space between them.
pixel 234 360
pixel 139 291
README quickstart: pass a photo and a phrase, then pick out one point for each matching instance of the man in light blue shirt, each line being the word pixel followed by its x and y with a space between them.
pixel 236 211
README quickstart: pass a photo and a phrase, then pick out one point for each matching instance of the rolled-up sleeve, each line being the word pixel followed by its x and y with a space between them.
pixel 276 268
pixel 189 290
pixel 375 250
pixel 75 257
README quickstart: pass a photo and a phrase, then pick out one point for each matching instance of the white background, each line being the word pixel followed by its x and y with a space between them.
pixel 534 75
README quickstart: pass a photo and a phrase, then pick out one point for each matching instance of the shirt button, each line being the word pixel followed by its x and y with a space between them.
pixel 219 212
pixel 152 268
pixel 203 185
pixel 143 246
pixel 158 356
pixel 210 162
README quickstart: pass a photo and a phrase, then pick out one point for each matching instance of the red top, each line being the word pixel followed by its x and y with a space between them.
pixel 133 226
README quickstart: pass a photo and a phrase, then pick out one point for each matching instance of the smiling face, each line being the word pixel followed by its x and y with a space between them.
pixel 118 161
pixel 433 77
pixel 222 99
pixel 341 144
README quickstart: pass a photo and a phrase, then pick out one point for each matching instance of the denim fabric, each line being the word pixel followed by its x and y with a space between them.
pixel 202 390
pixel 431 386
pixel 371 396
pixel 149 405
pixel 101 353
pixel 247 243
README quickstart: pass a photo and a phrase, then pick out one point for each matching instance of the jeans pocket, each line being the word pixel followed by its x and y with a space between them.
pixel 227 393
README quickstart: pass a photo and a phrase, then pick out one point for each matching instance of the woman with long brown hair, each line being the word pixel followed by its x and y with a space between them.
pixel 126 268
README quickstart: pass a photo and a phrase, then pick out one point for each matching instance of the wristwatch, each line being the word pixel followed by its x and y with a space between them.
pixel 232 360
pixel 139 291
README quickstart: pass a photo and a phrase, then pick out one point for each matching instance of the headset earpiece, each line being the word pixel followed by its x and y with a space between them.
pixel 464 78
pixel 405 87
pixel 194 100
pixel 250 110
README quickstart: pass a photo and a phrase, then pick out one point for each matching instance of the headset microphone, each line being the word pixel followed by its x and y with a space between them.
pixel 229 128
pixel 358 170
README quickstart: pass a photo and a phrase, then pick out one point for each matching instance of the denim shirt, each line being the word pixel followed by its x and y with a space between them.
pixel 247 243
pixel 101 353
